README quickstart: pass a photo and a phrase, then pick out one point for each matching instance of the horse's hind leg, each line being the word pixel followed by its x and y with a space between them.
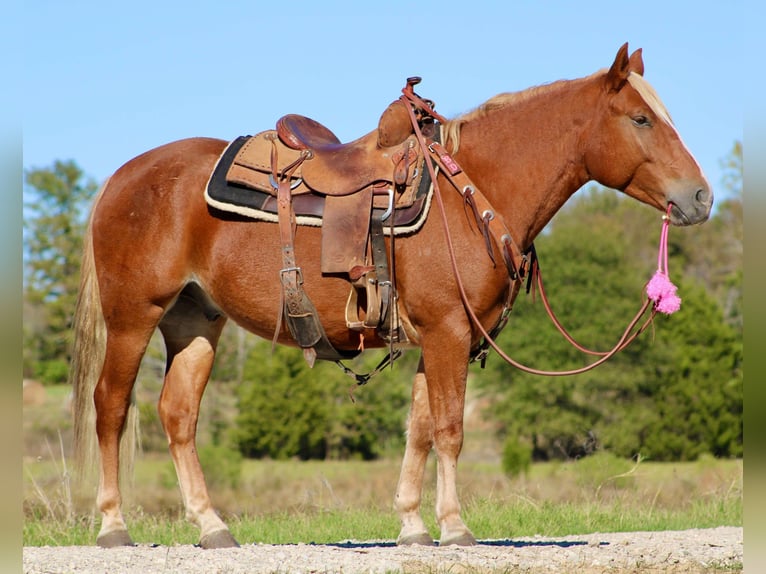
pixel 112 398
pixel 410 487
pixel 191 330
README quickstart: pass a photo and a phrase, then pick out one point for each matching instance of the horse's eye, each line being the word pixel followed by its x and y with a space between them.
pixel 641 121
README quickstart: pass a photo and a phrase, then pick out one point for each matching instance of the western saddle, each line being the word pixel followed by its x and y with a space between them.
pixel 381 170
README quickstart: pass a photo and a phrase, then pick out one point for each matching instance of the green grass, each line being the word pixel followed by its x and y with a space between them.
pixel 291 501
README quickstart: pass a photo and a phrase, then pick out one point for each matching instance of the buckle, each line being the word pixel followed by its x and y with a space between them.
pixel 297 270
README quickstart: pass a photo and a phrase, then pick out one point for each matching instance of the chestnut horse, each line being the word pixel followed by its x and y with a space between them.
pixel 157 256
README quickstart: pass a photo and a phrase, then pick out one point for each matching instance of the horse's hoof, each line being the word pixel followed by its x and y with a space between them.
pixel 218 539
pixel 114 539
pixel 423 539
pixel 465 539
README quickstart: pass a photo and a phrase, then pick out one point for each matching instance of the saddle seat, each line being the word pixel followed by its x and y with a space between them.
pixel 336 168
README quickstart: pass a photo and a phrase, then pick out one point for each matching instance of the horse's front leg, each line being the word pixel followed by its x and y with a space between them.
pixel 436 419
pixel 410 487
pixel 445 359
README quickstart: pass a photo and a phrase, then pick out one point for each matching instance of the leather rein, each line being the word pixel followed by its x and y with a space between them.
pixel 494 230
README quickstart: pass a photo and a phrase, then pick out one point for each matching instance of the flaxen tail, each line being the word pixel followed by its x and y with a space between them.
pixel 87 360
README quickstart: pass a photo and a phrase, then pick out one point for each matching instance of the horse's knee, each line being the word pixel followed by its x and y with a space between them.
pixel 420 431
pixel 420 422
pixel 449 439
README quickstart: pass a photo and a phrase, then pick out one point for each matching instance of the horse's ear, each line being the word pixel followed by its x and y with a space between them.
pixel 618 73
pixel 637 63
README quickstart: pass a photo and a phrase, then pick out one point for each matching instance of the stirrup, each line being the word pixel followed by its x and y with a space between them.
pixel 369 283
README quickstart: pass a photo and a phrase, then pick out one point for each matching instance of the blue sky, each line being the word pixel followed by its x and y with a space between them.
pixel 104 82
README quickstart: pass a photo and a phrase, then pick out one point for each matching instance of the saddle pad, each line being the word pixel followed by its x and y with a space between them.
pixel 246 196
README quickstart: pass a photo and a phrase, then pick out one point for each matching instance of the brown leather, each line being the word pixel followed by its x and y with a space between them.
pixel 252 166
pixel 251 169
pixel 313 205
pixel 367 285
pixel 302 164
pixel 394 126
pixel 302 156
pixel 297 309
pixel 300 132
pixel 403 159
pixel 343 168
pixel 347 168
pixel 307 204
pixel 345 227
pixel 330 168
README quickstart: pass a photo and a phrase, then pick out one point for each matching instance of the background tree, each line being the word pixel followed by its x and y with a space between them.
pixel 288 410
pixel 714 256
pixel 56 204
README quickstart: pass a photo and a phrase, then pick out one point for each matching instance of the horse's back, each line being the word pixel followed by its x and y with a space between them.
pixel 148 178
pixel 167 162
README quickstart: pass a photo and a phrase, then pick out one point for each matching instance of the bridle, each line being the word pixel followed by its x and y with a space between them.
pixel 519 264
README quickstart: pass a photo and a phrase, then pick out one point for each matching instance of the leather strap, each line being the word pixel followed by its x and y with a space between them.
pixel 298 310
pixel 493 229
pixel 380 261
pixel 516 273
pixel 487 220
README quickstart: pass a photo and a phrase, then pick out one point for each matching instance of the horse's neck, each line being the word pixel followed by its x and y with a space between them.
pixel 526 157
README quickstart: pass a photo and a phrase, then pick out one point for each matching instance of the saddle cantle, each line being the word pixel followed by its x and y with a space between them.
pixel 300 132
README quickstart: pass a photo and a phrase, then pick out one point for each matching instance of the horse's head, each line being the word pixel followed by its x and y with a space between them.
pixel 634 146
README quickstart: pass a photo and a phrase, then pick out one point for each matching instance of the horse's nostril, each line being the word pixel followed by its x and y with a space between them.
pixel 702 195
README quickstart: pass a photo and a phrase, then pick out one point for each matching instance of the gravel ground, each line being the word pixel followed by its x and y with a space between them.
pixel 708 550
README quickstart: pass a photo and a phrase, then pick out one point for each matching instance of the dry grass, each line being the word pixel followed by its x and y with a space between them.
pixel 283 501
pixel 291 501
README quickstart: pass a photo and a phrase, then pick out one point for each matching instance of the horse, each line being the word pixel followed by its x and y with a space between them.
pixel 157 256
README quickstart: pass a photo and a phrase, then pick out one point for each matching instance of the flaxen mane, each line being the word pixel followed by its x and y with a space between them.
pixel 452 128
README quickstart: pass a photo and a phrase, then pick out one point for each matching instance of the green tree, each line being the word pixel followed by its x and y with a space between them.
pixel 675 393
pixel 56 201
pixel 713 255
pixel 698 404
pixel 288 410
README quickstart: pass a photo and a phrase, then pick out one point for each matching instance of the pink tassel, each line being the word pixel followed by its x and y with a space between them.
pixel 660 288
pixel 662 291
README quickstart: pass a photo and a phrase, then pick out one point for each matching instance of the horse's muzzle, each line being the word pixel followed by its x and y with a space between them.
pixel 691 204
